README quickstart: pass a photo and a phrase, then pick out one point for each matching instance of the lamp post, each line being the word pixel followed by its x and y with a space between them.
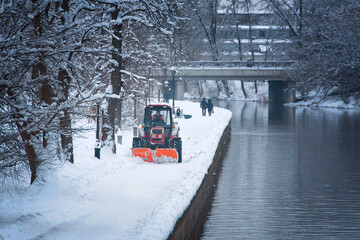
pixel 119 136
pixel 173 71
pixel 166 84
pixel 159 84
pixel 149 80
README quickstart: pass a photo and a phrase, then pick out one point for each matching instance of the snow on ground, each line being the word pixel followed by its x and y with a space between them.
pixel 118 196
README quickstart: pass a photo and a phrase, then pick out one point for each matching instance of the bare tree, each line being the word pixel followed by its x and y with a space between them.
pixel 250 19
pixel 244 8
pixel 38 72
pixel 206 14
pixel 290 12
pixel 235 5
pixel 328 58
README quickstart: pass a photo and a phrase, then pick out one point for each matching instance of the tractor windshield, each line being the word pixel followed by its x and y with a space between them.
pixel 157 117
pixel 160 117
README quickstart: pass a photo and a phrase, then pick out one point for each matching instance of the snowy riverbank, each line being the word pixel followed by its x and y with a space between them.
pixel 210 90
pixel 328 102
pixel 119 196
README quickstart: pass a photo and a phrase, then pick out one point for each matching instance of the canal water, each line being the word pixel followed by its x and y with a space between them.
pixel 289 173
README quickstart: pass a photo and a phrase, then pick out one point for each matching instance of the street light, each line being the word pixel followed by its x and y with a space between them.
pixel 151 88
pixel 149 80
pixel 166 84
pixel 173 71
pixel 159 84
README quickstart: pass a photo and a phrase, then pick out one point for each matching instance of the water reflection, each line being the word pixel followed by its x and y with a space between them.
pixel 289 173
pixel 277 114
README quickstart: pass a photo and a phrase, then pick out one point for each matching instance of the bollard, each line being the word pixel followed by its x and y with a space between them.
pixel 97 144
pixel 97 149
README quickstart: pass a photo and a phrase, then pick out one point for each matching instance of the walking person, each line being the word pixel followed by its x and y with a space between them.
pixel 203 106
pixel 210 107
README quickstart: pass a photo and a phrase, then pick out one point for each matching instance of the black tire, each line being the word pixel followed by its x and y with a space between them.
pixel 178 147
pixel 136 143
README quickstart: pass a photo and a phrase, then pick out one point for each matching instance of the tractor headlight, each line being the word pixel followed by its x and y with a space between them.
pixel 175 130
pixel 141 131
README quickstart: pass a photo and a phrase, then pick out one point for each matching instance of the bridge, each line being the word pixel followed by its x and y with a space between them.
pixel 272 72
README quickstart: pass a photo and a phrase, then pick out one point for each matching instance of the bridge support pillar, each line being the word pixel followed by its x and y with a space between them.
pixel 278 93
pixel 179 94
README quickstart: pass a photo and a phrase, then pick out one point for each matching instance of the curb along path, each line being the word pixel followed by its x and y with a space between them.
pixel 190 224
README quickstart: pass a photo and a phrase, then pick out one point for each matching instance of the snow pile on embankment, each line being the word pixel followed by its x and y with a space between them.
pixel 328 102
pixel 119 196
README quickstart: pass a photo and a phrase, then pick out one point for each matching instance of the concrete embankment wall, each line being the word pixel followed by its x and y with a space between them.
pixel 190 225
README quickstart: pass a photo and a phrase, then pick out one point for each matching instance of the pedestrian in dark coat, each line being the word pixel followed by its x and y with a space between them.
pixel 210 107
pixel 203 106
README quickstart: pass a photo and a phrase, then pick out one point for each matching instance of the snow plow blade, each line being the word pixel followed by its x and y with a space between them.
pixel 160 155
pixel 145 153
pixel 166 155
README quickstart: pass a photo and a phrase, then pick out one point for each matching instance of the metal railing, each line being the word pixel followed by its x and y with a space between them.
pixel 234 64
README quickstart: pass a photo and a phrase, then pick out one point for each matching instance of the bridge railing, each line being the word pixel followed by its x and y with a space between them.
pixel 234 64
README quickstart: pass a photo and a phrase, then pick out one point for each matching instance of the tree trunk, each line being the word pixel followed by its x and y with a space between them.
pixel 213 28
pixel 252 48
pixel 243 88
pixel 200 88
pixel 112 109
pixel 30 152
pixel 238 33
pixel 45 92
pixel 238 37
pixel 249 6
pixel 66 136
pixel 65 120
pixel 219 86
pixel 226 86
pixel 31 155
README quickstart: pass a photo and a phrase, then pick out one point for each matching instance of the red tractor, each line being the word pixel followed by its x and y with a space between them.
pixel 158 137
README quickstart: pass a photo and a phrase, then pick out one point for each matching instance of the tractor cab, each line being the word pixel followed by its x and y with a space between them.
pixel 157 118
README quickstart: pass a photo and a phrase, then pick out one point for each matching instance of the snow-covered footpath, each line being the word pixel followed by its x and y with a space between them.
pixel 119 196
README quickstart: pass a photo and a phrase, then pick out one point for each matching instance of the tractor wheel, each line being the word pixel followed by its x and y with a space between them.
pixel 136 143
pixel 178 147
